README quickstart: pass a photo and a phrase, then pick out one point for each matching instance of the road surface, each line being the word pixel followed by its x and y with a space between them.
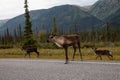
pixel 36 69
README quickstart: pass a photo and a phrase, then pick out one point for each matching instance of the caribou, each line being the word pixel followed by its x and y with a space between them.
pixel 65 41
pixel 99 53
pixel 30 49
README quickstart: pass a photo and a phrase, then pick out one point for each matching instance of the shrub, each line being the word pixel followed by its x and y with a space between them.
pixel 6 46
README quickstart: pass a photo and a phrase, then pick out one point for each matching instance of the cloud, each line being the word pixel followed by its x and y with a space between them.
pixel 11 8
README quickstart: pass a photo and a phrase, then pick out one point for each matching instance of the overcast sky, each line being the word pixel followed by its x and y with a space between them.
pixel 12 8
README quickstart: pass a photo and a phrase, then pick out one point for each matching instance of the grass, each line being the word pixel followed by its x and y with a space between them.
pixel 88 53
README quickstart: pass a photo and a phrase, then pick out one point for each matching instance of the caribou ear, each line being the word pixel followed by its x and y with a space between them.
pixel 50 33
pixel 95 48
pixel 54 34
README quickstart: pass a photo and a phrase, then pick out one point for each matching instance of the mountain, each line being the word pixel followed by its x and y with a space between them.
pixel 2 22
pixel 67 16
pixel 104 8
pixel 87 8
pixel 84 8
pixel 114 19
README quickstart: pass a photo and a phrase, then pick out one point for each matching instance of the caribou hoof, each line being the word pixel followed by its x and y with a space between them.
pixel 72 60
pixel 81 60
pixel 66 62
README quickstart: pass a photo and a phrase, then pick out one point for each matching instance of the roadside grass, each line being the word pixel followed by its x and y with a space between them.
pixel 88 53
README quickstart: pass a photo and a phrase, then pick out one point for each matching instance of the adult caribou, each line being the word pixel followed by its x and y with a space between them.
pixel 65 41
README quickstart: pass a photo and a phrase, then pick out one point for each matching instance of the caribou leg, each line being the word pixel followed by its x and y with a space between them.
pixel 97 57
pixel 29 54
pixel 25 55
pixel 110 57
pixel 37 54
pixel 74 47
pixel 100 57
pixel 66 54
pixel 80 52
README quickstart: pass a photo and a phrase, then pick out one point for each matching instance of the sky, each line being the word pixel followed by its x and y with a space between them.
pixel 12 8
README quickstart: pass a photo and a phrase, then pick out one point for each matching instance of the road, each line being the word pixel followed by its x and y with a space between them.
pixel 36 69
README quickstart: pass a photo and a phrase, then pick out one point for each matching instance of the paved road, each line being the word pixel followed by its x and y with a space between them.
pixel 36 69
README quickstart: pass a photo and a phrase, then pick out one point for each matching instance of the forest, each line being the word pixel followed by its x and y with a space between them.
pixel 91 37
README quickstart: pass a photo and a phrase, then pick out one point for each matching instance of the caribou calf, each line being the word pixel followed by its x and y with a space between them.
pixel 99 53
pixel 65 41
pixel 30 49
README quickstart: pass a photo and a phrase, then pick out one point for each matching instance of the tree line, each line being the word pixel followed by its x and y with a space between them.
pixel 105 34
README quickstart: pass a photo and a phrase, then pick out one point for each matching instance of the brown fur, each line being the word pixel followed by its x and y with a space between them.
pixel 65 41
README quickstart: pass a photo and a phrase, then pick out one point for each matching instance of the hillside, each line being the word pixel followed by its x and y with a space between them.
pixel 67 16
pixel 2 22
pixel 87 8
pixel 114 19
pixel 104 8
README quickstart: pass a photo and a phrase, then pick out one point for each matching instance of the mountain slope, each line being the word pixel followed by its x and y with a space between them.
pixel 86 8
pixel 67 16
pixel 114 19
pixel 104 8
pixel 2 22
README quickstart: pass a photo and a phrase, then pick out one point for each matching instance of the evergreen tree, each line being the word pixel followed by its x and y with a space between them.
pixel 15 38
pixel 0 39
pixel 76 29
pixel 107 31
pixel 19 33
pixel 42 35
pixel 7 36
pixel 28 34
pixel 54 27
pixel 93 34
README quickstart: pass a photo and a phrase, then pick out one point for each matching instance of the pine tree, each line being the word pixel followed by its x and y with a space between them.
pixel 93 34
pixel 7 36
pixel 107 31
pixel 54 27
pixel 42 35
pixel 28 34
pixel 19 33
pixel 15 38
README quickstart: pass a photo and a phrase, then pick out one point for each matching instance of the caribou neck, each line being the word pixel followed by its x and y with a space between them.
pixel 58 41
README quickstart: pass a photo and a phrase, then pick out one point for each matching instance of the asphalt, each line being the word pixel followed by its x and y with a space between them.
pixel 36 69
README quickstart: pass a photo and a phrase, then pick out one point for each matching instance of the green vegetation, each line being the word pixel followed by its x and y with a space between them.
pixel 99 38
pixel 54 27
pixel 88 53
pixel 42 36
pixel 114 19
pixel 28 33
